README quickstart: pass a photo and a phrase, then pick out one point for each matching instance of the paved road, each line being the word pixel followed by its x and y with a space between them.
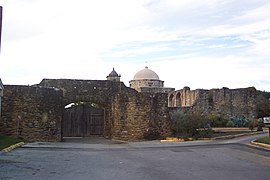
pixel 224 159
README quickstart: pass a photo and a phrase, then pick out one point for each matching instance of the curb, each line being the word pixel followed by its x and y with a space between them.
pixel 237 135
pixel 215 138
pixel 260 144
pixel 10 148
pixel 172 140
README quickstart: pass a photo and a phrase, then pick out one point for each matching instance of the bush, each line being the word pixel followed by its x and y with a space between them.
pixel 217 121
pixel 260 125
pixel 204 133
pixel 252 124
pixel 241 122
pixel 230 123
pixel 190 125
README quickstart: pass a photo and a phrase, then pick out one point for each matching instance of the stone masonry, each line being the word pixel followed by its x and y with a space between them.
pixel 32 113
pixel 35 112
pixel 229 103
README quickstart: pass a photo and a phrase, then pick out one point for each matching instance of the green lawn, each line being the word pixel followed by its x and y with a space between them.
pixel 265 140
pixel 6 141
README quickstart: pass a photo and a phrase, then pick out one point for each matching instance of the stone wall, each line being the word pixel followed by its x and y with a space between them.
pixel 140 116
pixel 129 115
pixel 32 113
pixel 100 92
pixel 96 91
pixel 35 112
pixel 229 103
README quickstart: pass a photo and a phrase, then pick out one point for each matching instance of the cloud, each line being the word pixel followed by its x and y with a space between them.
pixel 202 44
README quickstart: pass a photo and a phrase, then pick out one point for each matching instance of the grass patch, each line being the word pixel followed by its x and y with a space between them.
pixel 6 141
pixel 265 140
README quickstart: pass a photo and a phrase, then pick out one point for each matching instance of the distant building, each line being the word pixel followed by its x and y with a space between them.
pixel 147 80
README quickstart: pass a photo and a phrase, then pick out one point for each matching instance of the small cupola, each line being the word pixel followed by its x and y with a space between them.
pixel 113 76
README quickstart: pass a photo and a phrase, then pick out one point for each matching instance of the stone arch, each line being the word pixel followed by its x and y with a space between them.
pixel 100 92
pixel 120 103
pixel 178 100
pixel 171 97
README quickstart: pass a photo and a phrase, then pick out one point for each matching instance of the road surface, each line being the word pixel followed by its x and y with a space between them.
pixel 223 159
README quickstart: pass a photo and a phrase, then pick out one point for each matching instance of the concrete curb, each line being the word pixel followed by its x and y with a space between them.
pixel 260 144
pixel 216 138
pixel 10 148
pixel 237 135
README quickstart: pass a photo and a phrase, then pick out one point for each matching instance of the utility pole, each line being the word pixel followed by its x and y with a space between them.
pixel 0 25
pixel 1 85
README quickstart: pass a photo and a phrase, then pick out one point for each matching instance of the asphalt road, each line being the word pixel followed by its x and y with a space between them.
pixel 223 159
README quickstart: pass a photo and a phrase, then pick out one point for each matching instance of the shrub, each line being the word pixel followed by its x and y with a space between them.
pixel 217 121
pixel 241 122
pixel 204 133
pixel 252 124
pixel 190 125
pixel 260 125
pixel 230 123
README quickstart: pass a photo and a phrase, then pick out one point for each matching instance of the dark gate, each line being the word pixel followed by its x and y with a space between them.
pixel 83 120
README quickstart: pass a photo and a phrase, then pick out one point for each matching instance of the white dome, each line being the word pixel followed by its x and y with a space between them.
pixel 146 74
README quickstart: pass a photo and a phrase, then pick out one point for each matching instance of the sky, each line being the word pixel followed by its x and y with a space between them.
pixel 201 44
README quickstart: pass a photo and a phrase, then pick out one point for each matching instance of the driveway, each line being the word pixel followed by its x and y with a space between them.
pixel 223 159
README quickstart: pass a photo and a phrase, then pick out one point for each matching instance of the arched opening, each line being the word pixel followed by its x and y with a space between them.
pixel 83 119
pixel 171 100
pixel 178 100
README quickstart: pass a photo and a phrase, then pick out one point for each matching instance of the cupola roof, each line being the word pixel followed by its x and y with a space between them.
pixel 146 74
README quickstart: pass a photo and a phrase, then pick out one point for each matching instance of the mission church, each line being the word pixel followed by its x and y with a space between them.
pixel 225 102
pixel 110 109
pixel 145 80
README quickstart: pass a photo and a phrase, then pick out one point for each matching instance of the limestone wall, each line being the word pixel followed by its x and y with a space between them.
pixel 35 112
pixel 32 113
pixel 140 116
pixel 100 92
pixel 129 114
pixel 230 103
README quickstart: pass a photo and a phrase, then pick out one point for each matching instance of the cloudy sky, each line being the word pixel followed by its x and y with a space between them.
pixel 200 44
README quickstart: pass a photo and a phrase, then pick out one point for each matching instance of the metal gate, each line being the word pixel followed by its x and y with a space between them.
pixel 82 121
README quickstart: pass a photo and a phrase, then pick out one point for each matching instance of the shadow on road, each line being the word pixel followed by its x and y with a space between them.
pixel 91 140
